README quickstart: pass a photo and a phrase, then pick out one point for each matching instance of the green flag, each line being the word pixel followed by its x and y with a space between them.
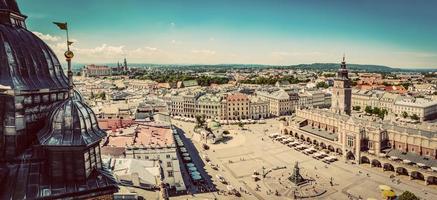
pixel 62 26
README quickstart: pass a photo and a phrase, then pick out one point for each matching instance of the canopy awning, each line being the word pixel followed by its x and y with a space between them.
pixel 195 173
pixel 394 157
pixel 406 161
pixel 187 158
pixel 421 165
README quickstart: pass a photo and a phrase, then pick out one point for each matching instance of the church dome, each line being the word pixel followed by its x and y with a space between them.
pixel 71 123
pixel 27 62
pixel 10 5
pixel 77 96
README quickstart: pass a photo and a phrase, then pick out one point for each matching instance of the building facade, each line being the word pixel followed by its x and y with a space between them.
pixel 410 151
pixel 282 102
pixel 396 104
pixel 235 106
pixel 96 70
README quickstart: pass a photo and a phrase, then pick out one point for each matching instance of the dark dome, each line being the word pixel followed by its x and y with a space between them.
pixel 72 123
pixel 26 62
pixel 77 96
pixel 9 5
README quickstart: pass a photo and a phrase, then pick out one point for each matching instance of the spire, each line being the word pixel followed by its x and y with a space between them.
pixel 343 72
pixel 125 64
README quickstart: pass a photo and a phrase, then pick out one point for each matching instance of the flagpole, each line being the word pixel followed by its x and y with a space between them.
pixel 68 40
pixel 68 56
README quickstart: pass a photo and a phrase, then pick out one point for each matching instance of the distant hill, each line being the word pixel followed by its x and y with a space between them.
pixel 314 66
pixel 352 67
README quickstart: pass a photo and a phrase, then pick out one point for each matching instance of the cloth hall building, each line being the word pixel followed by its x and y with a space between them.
pixel 409 151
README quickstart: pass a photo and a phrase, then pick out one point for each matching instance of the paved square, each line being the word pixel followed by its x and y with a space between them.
pixel 247 167
pixel 253 149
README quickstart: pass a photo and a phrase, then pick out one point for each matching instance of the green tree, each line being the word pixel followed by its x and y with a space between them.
pixel 329 75
pixel 382 113
pixel 322 85
pixel 415 117
pixel 357 108
pixel 407 195
pixel 376 111
pixel 404 114
pixel 200 121
pixel 386 84
pixel 406 84
pixel 368 110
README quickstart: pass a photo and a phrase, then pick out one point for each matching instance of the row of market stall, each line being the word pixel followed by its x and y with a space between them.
pixel 410 162
pixel 304 148
pixel 222 122
pixel 195 175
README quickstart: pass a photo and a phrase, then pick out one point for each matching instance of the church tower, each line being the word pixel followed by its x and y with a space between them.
pixel 125 68
pixel 342 92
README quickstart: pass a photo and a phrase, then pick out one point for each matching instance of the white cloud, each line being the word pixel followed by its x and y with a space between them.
pixel 47 37
pixel 204 52
pixel 151 48
pixel 172 24
pixel 290 54
pixel 417 54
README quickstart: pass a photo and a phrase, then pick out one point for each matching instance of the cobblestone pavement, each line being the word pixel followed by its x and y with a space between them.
pixel 252 149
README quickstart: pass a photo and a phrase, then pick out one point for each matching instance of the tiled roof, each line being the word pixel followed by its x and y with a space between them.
pixel 320 133
pixel 237 97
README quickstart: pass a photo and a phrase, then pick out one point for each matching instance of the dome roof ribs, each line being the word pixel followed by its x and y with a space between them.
pixel 71 123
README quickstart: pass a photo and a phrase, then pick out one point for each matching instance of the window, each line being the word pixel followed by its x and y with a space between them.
pixel 168 164
pixel 170 173
pixel 167 156
pixel 350 141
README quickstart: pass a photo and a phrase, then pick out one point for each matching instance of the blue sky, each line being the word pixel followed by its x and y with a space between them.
pixel 398 33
